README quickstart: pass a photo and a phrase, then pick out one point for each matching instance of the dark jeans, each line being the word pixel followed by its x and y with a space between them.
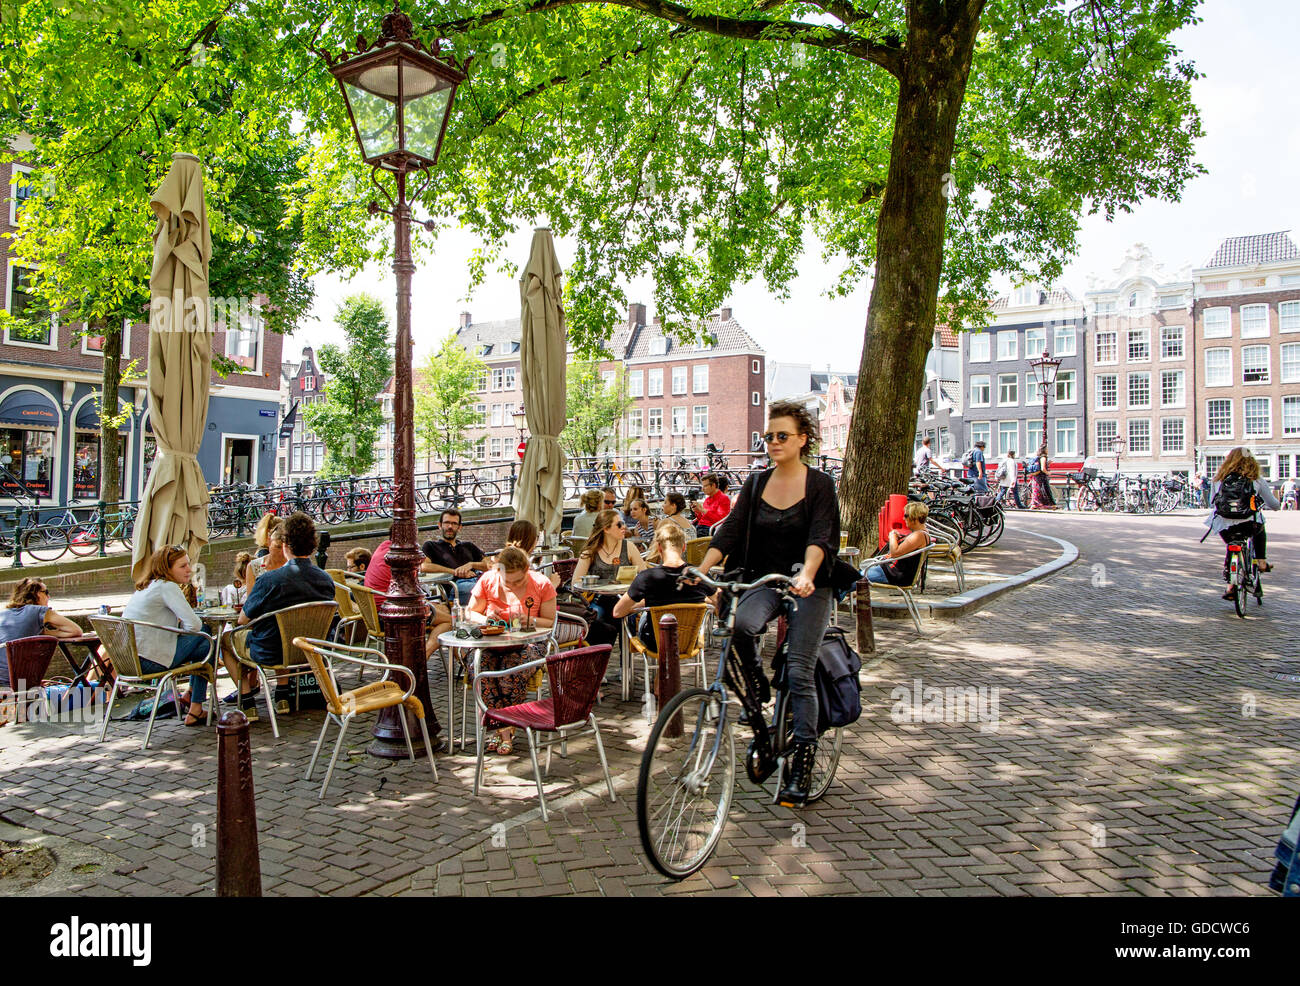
pixel 808 625
pixel 188 650
pixel 604 628
pixel 1253 530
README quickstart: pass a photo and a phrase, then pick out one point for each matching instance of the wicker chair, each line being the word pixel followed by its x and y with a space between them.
pixel 118 637
pixel 948 548
pixel 351 622
pixel 563 567
pixel 310 620
pixel 574 678
pixel 367 602
pixel 904 590
pixel 696 549
pixel 691 619
pixel 342 707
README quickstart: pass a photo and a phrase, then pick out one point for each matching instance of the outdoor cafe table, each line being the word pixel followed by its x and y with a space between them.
pixel 92 660
pixel 624 648
pixel 430 583
pixel 510 640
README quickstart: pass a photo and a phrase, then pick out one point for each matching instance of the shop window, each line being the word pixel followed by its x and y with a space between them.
pixel 28 458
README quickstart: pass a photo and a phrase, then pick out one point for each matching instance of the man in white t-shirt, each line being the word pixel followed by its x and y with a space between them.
pixel 1007 477
pixel 923 460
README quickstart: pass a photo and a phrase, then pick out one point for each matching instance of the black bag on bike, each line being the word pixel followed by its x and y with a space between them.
pixel 839 693
pixel 1235 498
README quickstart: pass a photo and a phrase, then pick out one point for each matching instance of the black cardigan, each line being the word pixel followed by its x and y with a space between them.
pixel 732 538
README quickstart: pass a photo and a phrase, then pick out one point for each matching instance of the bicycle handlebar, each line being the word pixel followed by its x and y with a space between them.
pixel 736 588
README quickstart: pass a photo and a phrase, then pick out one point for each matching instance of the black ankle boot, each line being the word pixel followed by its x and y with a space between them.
pixel 799 768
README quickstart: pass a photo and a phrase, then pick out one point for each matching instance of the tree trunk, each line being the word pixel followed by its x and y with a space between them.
pixel 109 439
pixel 909 260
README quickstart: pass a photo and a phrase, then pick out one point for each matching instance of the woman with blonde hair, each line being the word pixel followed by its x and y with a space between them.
pixel 903 572
pixel 275 556
pixel 262 532
pixel 159 600
pixel 591 504
pixel 1232 515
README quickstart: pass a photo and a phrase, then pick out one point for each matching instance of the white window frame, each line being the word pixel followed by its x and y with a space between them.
pixel 1227 382
pixel 1131 339
pixel 496 415
pixel 655 382
pixel 654 422
pixel 1288 316
pixel 1033 352
pixel 495 448
pixel 1065 341
pixel 1258 332
pixel 1222 323
pixel 988 390
pixel 53 344
pixel 1074 435
pixel 1182 342
pixel 1073 379
pixel 700 419
pixel 700 379
pixel 1106 444
pixel 1129 436
pixel 981 431
pixel 498 379
pixel 1128 391
pixel 1015 378
pixel 1182 427
pixel 607 378
pixel 1294 401
pixel 1002 449
pixel 756 399
pixel 685 421
pixel 1011 352
pixel 1182 388
pixel 635 422
pixel 1033 435
pixel 1114 380
pixel 1267 368
pixel 1294 375
pixel 679 373
pixel 1232 417
pixel 1113 336
pixel 985 348
pixel 755 366
pixel 635 383
pixel 126 343
pixel 1246 433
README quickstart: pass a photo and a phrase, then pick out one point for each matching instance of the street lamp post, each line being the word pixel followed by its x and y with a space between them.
pixel 399 97
pixel 521 421
pixel 1045 368
pixel 1118 445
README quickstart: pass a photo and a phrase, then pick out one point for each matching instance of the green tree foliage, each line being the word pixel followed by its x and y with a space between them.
pixel 594 408
pixel 930 144
pixel 444 402
pixel 348 419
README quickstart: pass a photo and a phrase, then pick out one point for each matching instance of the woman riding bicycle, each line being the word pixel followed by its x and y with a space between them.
pixel 1240 464
pixel 785 517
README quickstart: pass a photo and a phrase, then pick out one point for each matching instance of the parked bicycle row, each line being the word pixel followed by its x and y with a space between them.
pixel 654 476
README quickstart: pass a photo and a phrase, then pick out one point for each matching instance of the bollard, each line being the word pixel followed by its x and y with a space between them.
pixel 866 631
pixel 102 532
pixel 670 672
pixel 18 537
pixel 239 869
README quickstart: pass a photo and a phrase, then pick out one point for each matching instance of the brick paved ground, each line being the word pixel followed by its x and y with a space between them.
pixel 1142 746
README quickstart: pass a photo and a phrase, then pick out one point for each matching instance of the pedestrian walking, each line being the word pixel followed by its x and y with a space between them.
pixel 1040 489
pixel 975 464
pixel 1006 477
pixel 923 460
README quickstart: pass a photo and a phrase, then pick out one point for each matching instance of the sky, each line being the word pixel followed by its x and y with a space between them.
pixel 1250 109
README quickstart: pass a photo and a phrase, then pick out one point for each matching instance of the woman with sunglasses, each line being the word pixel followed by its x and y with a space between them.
pixel 785 518
pixel 28 614
pixel 606 551
pixel 159 599
pixel 509 590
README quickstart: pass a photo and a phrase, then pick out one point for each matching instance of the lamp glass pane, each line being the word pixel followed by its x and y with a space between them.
pixel 376 119
pixel 425 110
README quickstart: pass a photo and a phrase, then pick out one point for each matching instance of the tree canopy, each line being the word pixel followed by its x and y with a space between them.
pixel 444 402
pixel 594 409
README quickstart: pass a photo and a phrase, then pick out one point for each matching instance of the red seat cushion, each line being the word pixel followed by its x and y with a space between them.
pixel 528 715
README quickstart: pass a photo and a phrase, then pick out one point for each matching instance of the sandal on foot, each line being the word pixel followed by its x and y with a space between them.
pixel 506 746
pixel 196 718
pixel 493 743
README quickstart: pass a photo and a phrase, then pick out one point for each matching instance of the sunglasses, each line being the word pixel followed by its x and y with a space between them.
pixel 778 436
pixel 609 503
pixel 465 634
pixel 618 523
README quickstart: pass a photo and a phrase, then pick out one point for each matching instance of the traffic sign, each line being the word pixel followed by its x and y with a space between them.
pixel 522 445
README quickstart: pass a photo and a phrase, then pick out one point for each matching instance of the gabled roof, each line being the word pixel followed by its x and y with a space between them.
pixel 1057 296
pixel 496 336
pixel 635 342
pixel 951 391
pixel 1259 248
pixel 947 337
pixel 821 382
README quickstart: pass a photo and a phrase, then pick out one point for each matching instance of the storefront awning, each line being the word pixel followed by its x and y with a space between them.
pixel 26 407
pixel 88 418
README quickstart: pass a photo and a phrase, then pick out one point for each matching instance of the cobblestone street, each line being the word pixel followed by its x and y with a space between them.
pixel 1141 740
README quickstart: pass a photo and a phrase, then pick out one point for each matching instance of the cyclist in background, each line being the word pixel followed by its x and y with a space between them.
pixel 1235 512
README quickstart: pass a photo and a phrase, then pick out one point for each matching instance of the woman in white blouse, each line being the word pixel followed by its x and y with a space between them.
pixel 159 599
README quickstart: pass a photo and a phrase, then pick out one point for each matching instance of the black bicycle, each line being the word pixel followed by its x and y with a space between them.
pixel 1243 573
pixel 688 770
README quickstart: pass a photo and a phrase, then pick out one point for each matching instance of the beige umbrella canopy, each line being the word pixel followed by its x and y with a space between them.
pixel 539 496
pixel 174 504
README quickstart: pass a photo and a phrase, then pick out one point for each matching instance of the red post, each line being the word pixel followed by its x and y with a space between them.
pixel 670 672
pixel 239 869
pixel 866 631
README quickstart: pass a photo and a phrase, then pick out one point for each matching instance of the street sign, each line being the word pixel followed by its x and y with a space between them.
pixel 262 412
pixel 522 445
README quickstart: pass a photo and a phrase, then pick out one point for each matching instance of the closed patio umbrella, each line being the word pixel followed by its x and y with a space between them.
pixel 539 497
pixel 174 504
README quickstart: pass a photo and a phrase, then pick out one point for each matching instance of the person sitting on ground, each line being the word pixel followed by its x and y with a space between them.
pixel 659 585
pixel 591 504
pixel 448 555
pixel 606 551
pixel 504 593
pixel 274 556
pixel 903 572
pixel 524 536
pixel 356 561
pixel 159 599
pixel 639 522
pixel 297 581
pixel 716 503
pixel 237 591
pixel 28 614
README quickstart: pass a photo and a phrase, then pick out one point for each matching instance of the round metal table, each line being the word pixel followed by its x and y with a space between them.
pixel 510 640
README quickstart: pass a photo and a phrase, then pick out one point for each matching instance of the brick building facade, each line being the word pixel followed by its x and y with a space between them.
pixel 49 379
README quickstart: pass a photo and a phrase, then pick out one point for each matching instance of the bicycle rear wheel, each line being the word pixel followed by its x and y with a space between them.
pixel 486 493
pixel 686 783
pixel 46 543
pixel 1237 579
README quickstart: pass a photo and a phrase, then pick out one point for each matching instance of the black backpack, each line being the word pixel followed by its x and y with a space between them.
pixel 839 693
pixel 1235 498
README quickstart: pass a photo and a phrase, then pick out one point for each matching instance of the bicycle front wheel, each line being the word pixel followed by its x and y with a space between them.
pixel 829 746
pixel 686 783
